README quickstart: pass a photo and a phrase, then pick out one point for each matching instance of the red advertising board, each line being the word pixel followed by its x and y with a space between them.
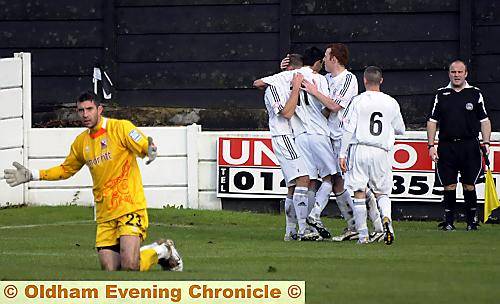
pixel 247 167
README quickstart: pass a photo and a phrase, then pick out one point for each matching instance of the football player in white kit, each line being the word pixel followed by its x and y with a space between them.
pixel 291 162
pixel 343 86
pixel 369 133
pixel 311 129
pixel 281 104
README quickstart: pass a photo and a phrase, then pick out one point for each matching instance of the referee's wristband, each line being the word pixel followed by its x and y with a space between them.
pixel 486 143
pixel 429 146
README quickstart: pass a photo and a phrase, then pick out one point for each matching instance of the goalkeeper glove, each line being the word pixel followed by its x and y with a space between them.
pixel 17 176
pixel 151 151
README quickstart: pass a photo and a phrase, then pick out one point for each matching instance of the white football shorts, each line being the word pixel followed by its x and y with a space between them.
pixel 368 165
pixel 291 161
pixel 336 151
pixel 318 153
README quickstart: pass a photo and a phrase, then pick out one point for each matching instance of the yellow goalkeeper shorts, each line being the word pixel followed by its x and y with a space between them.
pixel 134 223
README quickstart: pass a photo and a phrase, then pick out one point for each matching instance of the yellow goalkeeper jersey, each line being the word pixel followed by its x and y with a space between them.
pixel 109 150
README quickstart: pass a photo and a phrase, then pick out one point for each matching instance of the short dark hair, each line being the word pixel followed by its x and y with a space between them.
pixel 89 96
pixel 311 55
pixel 373 75
pixel 296 60
pixel 340 51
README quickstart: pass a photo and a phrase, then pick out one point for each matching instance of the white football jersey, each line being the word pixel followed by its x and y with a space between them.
pixel 374 120
pixel 275 99
pixel 308 111
pixel 282 81
pixel 343 88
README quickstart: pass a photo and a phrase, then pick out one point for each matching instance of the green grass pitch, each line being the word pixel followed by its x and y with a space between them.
pixel 423 265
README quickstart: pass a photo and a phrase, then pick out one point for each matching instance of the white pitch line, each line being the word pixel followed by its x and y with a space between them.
pixel 171 225
pixel 86 222
pixel 42 253
pixel 46 225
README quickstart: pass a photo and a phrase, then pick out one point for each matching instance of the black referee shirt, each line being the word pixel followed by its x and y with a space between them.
pixel 459 114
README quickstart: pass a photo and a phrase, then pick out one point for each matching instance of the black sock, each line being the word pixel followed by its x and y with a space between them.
pixel 470 198
pixel 450 198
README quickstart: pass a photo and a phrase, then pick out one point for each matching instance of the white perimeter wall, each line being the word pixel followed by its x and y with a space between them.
pixel 15 93
pixel 184 173
pixel 174 178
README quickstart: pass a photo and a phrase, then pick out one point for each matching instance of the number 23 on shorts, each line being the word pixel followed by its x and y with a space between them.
pixel 134 219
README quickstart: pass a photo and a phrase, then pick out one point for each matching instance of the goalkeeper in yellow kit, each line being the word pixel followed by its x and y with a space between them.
pixel 109 148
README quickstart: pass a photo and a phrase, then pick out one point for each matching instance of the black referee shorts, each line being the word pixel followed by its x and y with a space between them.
pixel 462 156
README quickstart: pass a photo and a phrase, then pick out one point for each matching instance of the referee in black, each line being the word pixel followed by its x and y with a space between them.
pixel 459 110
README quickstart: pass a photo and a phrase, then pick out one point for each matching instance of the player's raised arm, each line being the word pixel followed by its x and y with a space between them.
pixel 72 164
pixel 289 63
pixel 329 103
pixel 132 138
pixel 292 101
pixel 260 84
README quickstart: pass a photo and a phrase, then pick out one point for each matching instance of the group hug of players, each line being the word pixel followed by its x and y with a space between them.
pixel 328 138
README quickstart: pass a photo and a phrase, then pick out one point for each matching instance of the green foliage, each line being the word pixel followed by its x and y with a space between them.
pixel 423 265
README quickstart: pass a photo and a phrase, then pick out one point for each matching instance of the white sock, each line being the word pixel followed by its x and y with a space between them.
pixel 385 209
pixel 385 206
pixel 322 197
pixel 291 216
pixel 345 203
pixel 162 251
pixel 373 211
pixel 300 202
pixel 311 200
pixel 360 217
pixel 149 246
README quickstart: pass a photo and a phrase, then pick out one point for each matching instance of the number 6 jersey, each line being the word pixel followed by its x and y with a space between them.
pixel 374 119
